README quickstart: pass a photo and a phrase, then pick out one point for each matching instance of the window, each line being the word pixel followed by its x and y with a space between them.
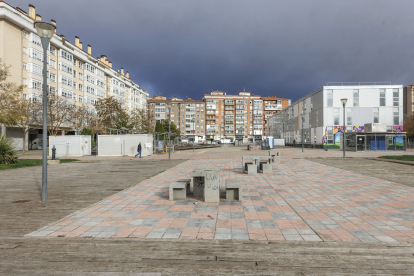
pixel 66 93
pixel 100 83
pixel 336 116
pixel 376 114
pixel 80 75
pixel 52 77
pixel 90 79
pixel 36 39
pixel 80 87
pixel 329 96
pixel 66 80
pixel 356 97
pixel 74 73
pixel 80 98
pixel 25 81
pixel 24 34
pixel 24 65
pixel 330 135
pixel 52 50
pixel 24 96
pixel 80 63
pixel 52 90
pixel 395 97
pixel 74 85
pixel 382 97
pixel 90 68
pixel 24 50
pixel 90 90
pixel 36 69
pixel 74 61
pixel 349 116
pixel 100 73
pixel 35 54
pixel 100 93
pixel 66 68
pixel 396 112
pixel 52 63
pixel 66 55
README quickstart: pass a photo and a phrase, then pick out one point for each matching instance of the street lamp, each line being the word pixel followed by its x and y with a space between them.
pixel 169 131
pixel 303 117
pixel 45 30
pixel 343 101
pixel 193 133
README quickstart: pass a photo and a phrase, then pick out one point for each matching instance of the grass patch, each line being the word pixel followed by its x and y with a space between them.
pixel 399 157
pixel 22 163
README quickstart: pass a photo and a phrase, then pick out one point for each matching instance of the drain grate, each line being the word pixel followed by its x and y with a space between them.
pixel 21 201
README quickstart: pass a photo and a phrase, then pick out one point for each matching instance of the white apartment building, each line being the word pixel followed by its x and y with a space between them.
pixel 72 72
pixel 323 118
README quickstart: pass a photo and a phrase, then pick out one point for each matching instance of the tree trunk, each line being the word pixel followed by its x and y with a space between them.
pixel 24 140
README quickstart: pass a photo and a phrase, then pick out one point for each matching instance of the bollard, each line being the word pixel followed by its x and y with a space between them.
pixel 54 153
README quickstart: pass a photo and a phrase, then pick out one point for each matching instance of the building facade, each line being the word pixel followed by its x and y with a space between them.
pixel 233 117
pixel 271 106
pixel 322 113
pixel 409 100
pixel 73 73
pixel 188 115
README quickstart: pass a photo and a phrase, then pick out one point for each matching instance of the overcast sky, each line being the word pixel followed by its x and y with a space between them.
pixel 189 47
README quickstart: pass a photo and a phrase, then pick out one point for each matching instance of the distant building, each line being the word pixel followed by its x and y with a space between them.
pixel 409 100
pixel 188 115
pixel 233 117
pixel 272 105
pixel 323 113
pixel 73 73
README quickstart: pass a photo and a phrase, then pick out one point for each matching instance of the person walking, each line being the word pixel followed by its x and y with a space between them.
pixel 139 150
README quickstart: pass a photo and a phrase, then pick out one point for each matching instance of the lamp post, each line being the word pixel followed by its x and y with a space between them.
pixel 193 133
pixel 303 117
pixel 169 131
pixel 45 30
pixel 343 101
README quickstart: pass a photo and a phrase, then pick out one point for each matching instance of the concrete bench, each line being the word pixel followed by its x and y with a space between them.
pixel 252 169
pixel 275 155
pixel 179 190
pixel 267 168
pixel 206 183
pixel 234 189
pixel 188 181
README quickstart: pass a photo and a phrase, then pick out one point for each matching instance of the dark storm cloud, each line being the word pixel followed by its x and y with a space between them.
pixel 188 48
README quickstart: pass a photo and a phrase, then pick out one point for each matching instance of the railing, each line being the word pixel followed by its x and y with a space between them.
pixel 358 83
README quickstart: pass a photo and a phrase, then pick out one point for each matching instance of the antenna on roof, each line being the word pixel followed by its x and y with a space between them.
pixel 244 90
pixel 217 88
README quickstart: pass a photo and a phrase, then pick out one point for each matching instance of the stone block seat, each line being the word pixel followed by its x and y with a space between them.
pixel 188 181
pixel 179 190
pixel 251 169
pixel 267 168
pixel 234 189
pixel 275 155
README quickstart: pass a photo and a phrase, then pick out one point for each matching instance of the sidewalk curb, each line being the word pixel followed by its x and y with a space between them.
pixel 410 163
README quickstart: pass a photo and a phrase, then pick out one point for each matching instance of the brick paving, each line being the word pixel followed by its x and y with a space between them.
pixel 300 201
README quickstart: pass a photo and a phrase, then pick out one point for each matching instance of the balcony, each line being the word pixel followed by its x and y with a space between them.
pixel 273 107
pixel 228 102
pixel 229 107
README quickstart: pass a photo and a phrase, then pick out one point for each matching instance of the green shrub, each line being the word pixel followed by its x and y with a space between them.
pixel 7 151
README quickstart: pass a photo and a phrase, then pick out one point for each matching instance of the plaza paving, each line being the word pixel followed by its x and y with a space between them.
pixel 300 201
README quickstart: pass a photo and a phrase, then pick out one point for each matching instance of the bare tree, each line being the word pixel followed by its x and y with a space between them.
pixel 140 121
pixel 108 111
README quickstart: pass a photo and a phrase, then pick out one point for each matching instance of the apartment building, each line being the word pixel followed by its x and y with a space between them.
pixel 408 100
pixel 188 115
pixel 73 72
pixel 233 117
pixel 272 105
pixel 323 119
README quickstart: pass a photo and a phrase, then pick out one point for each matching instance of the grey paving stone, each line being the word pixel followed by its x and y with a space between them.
pixel 126 214
pixel 261 208
pixel 150 222
pixel 276 215
pixel 222 236
pixel 194 222
pixel 212 208
pixel 253 223
pixel 184 214
pixel 224 215
pixel 289 232
pixel 385 238
pixel 105 234
pixel 223 230
pixel 171 214
pixel 293 237
pixel 249 209
pixel 237 215
pixel 305 232
pixel 136 222
pixel 311 238
pixel 269 224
